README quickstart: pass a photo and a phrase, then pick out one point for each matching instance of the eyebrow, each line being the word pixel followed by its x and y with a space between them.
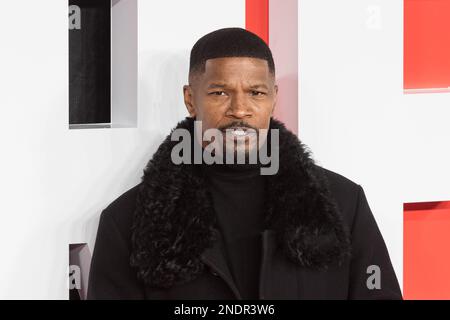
pixel 221 85
pixel 216 85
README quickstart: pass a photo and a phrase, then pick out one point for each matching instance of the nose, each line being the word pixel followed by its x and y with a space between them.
pixel 239 107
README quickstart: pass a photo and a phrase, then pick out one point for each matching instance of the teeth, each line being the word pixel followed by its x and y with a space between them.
pixel 239 132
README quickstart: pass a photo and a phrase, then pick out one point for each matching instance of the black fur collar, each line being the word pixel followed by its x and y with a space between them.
pixel 175 221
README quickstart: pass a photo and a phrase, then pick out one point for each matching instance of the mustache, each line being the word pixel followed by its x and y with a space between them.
pixel 233 124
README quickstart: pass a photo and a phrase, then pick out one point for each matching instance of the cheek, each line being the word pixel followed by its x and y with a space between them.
pixel 265 110
pixel 211 109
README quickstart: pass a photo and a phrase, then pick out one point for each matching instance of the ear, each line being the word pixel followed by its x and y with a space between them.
pixel 189 100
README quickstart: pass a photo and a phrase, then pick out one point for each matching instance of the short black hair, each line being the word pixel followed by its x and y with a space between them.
pixel 228 42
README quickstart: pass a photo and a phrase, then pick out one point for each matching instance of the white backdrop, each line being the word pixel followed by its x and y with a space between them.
pixel 55 181
pixel 354 116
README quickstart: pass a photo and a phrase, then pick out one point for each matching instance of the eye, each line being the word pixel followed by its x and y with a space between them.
pixel 258 93
pixel 217 93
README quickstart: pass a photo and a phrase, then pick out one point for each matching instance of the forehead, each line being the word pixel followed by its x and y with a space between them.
pixel 229 68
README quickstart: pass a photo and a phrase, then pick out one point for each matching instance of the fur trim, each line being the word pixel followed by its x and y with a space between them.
pixel 175 222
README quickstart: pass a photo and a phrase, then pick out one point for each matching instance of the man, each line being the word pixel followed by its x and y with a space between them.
pixel 196 230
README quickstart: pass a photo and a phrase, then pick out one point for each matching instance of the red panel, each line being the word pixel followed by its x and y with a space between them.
pixel 426 44
pixel 426 250
pixel 257 18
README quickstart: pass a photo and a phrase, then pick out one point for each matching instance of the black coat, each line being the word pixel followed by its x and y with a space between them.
pixel 160 239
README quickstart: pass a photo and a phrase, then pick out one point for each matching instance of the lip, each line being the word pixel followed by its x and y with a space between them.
pixel 237 131
pixel 237 128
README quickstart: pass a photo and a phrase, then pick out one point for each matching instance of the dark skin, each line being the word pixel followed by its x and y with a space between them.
pixel 233 91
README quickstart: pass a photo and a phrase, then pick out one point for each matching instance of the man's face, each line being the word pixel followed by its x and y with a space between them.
pixel 233 93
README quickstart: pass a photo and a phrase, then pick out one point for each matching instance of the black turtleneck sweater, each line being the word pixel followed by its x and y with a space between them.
pixel 238 195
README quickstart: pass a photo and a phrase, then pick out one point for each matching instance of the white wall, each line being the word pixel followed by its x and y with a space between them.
pixel 56 181
pixel 355 118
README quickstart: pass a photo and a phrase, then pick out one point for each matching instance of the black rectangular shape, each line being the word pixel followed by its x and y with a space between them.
pixel 90 64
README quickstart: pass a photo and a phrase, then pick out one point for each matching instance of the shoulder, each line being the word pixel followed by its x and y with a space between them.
pixel 120 212
pixel 338 182
pixel 345 192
